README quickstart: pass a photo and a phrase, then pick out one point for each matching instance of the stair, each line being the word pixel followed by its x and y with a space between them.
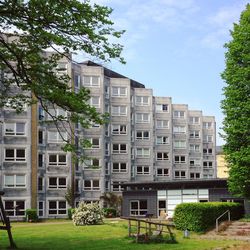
pixel 237 228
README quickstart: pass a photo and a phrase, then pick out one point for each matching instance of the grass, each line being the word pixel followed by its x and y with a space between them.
pixel 60 235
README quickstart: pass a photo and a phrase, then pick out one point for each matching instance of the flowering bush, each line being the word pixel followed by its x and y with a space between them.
pixel 87 214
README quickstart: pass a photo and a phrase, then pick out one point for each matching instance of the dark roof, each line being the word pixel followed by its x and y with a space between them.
pixel 113 74
pixel 208 183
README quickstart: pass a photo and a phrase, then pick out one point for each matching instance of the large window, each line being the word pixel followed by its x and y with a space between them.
pixel 56 113
pixel 179 129
pixel 142 170
pixel 194 162
pixel 162 140
pixel 142 118
pixel 119 148
pixel 207 125
pixel 91 81
pixel 194 147
pixel 119 110
pixel 207 151
pixel 208 138
pixel 195 175
pixel 56 137
pixel 162 172
pixel 91 185
pixel 179 144
pixel 160 124
pixel 194 120
pixel 57 208
pixel 179 159
pixel 119 91
pixel 15 129
pixel 57 182
pixel 119 167
pixel 161 107
pixel 14 207
pixel 94 163
pixel 119 129
pixel 179 174
pixel 57 160
pixel 142 100
pixel 138 207
pixel 161 156
pixel 15 154
pixel 208 164
pixel 116 186
pixel 14 181
pixel 94 101
pixel 179 114
pixel 142 135
pixel 194 134
pixel 143 152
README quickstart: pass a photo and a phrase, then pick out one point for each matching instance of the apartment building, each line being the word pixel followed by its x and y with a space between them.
pixel 147 139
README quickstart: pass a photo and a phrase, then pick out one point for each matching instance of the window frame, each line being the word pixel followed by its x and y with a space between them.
pixel 15 133
pixel 15 153
pixel 15 185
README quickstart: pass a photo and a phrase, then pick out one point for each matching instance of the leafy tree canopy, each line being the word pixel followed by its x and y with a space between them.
pixel 236 106
pixel 27 29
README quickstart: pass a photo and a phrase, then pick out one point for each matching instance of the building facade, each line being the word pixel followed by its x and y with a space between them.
pixel 147 139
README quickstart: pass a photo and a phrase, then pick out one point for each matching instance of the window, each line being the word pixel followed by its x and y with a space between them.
pixel 194 175
pixel 162 172
pixel 194 147
pixel 15 154
pixel 161 156
pixel 208 138
pixel 119 148
pixel 207 176
pixel 40 208
pixel 57 182
pixel 179 174
pixel 194 162
pixel 91 81
pixel 61 66
pixel 77 81
pixel 138 207
pixel 15 129
pixel 40 184
pixel 91 185
pixel 142 170
pixel 142 135
pixel 179 114
pixel 95 142
pixel 142 100
pixel 119 167
pixel 57 113
pixel 57 208
pixel 40 113
pixel 94 101
pixel 142 117
pixel 162 140
pixel 40 137
pixel 161 124
pixel 119 91
pixel 14 181
pixel 161 107
pixel 207 125
pixel 194 134
pixel 208 164
pixel 57 160
pixel 119 129
pixel 194 120
pixel 40 160
pixel 179 159
pixel 142 152
pixel 56 137
pixel 94 163
pixel 116 186
pixel 179 129
pixel 14 207
pixel 119 110
pixel 207 151
pixel 179 144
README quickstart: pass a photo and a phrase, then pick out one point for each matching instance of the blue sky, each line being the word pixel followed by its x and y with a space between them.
pixel 176 48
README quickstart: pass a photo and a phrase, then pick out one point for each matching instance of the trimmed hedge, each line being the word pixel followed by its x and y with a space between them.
pixel 199 217
pixel 31 215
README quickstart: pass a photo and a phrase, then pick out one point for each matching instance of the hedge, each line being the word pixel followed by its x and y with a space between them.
pixel 110 212
pixel 200 217
pixel 31 215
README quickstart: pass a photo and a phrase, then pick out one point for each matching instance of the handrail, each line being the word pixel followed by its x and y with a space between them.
pixel 217 220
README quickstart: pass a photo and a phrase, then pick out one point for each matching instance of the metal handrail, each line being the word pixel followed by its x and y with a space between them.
pixel 217 220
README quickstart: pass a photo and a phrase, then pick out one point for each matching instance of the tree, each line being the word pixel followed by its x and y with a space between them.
pixel 27 29
pixel 236 106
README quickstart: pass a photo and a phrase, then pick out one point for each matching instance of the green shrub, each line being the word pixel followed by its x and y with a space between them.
pixel 31 215
pixel 70 213
pixel 199 217
pixel 110 212
pixel 87 214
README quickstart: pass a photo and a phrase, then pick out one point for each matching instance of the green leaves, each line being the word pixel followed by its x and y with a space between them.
pixel 236 106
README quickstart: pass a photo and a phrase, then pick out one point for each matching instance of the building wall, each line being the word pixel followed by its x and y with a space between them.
pixel 148 139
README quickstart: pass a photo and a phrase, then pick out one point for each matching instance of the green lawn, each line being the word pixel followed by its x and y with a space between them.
pixel 60 235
